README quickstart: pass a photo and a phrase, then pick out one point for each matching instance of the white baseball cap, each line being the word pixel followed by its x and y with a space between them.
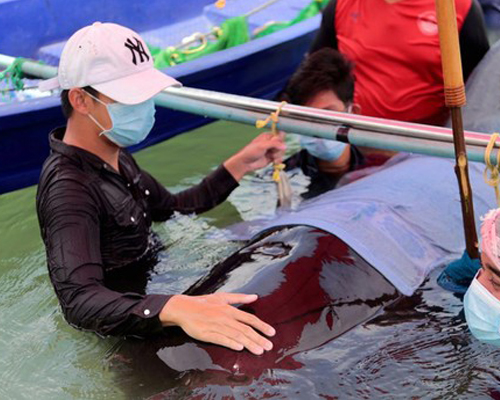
pixel 113 60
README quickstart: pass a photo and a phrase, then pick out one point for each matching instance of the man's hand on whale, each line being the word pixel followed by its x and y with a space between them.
pixel 212 318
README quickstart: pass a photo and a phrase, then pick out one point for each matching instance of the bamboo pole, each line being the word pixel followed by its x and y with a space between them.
pixel 455 99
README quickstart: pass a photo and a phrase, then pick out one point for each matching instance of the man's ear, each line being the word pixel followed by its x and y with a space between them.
pixel 79 101
pixel 356 108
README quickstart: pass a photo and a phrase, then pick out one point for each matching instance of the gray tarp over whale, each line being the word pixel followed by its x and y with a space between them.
pixel 404 220
pixel 405 217
pixel 394 226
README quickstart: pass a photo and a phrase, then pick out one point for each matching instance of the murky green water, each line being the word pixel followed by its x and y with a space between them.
pixel 420 349
pixel 43 357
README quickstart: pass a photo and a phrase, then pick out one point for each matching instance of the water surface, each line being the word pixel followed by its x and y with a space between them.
pixel 420 349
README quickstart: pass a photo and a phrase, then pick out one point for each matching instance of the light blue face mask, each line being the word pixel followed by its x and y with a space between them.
pixel 131 123
pixel 482 312
pixel 327 150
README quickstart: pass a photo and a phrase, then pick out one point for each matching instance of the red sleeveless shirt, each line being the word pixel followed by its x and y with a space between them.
pixel 395 50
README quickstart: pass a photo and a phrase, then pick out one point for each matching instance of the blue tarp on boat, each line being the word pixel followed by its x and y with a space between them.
pixel 38 29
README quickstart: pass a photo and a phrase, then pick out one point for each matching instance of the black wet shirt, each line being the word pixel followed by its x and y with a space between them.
pixel 96 226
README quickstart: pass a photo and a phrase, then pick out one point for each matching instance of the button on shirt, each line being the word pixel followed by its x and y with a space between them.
pixel 96 222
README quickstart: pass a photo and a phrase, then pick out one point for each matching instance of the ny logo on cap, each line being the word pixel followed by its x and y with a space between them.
pixel 137 49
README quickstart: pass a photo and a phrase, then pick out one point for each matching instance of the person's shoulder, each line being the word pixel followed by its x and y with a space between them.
pixel 464 6
pixel 58 169
pixel 65 190
pixel 63 182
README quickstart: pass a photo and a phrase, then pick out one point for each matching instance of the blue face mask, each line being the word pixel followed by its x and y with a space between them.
pixel 131 123
pixel 324 149
pixel 482 312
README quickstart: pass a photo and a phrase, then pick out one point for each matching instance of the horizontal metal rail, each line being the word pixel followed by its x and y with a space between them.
pixel 350 128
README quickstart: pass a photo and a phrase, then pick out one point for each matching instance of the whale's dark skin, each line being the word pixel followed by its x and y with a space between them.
pixel 312 288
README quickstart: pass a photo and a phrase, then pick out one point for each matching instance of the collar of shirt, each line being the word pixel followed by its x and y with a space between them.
pixel 87 160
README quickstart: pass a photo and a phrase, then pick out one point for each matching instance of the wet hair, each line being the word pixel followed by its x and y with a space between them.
pixel 325 69
pixel 66 106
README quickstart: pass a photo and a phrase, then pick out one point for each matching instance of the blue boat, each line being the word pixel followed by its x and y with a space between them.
pixel 38 29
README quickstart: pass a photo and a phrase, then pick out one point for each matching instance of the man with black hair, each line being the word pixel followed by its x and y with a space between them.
pixel 325 80
pixel 96 205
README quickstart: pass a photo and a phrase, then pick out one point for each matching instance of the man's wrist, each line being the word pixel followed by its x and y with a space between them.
pixel 236 167
pixel 168 315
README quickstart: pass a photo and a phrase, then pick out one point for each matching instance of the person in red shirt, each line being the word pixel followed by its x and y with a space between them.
pixel 394 45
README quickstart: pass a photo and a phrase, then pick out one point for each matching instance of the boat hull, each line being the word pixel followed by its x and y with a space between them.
pixel 259 68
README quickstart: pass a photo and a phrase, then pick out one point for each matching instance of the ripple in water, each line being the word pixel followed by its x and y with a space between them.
pixel 420 348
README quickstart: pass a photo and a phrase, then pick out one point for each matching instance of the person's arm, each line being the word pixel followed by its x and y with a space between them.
pixel 70 225
pixel 69 220
pixel 209 193
pixel 473 39
pixel 217 186
pixel 327 35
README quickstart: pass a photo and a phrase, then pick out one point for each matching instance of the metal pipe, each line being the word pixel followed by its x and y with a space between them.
pixel 31 68
pixel 363 131
pixel 196 37
pixel 260 8
pixel 330 117
pixel 322 123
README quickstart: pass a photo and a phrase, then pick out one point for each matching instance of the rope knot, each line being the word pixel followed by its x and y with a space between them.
pixel 274 119
pixel 493 179
pixel 277 172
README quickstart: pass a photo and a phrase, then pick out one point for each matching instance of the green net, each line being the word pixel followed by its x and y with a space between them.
pixel 13 75
pixel 232 32
pixel 313 9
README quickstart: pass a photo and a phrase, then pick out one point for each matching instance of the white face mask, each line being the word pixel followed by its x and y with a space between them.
pixel 131 123
pixel 482 312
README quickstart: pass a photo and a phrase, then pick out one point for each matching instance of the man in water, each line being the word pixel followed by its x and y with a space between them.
pixel 325 80
pixel 482 300
pixel 96 206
